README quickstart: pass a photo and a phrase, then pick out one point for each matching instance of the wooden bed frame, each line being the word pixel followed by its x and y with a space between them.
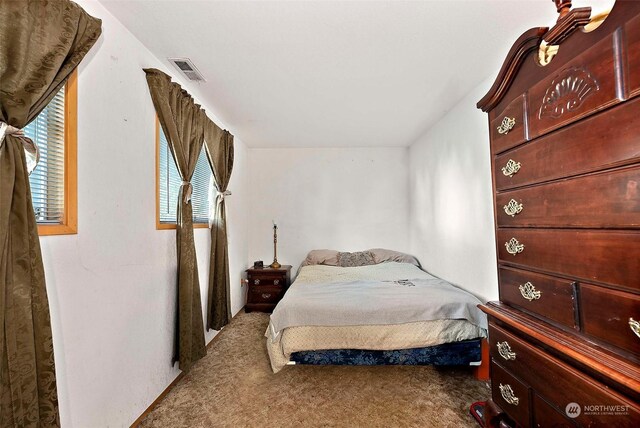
pixel 481 372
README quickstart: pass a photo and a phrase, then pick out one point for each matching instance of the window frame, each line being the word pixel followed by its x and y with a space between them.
pixel 160 225
pixel 69 224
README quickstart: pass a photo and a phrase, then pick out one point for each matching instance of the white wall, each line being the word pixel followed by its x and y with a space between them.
pixel 112 286
pixel 451 209
pixel 343 199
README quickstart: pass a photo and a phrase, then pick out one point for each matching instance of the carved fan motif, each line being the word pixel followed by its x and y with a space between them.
pixel 567 92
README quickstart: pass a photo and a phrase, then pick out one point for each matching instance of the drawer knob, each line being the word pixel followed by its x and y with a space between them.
pixel 505 351
pixel 634 326
pixel 529 292
pixel 513 208
pixel 514 247
pixel 512 167
pixel 507 125
pixel 266 295
pixel 276 281
pixel 507 393
pixel 256 281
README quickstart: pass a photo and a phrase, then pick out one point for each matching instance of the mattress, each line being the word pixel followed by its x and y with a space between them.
pixel 383 337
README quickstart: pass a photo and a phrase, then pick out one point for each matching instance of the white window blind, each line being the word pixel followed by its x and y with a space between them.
pixel 47 180
pixel 170 181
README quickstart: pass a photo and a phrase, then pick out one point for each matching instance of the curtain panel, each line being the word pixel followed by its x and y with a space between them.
pixel 41 43
pixel 219 147
pixel 182 121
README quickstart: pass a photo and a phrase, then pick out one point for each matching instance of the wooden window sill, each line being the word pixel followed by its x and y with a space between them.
pixel 168 226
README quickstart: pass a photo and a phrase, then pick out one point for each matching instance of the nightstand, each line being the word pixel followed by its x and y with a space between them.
pixel 266 287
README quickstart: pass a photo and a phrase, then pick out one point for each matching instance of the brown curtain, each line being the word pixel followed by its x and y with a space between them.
pixel 182 121
pixel 41 43
pixel 219 146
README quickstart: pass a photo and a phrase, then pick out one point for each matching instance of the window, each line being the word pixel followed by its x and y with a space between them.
pixel 168 183
pixel 54 181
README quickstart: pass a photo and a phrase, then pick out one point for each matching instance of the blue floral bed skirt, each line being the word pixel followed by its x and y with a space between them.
pixel 448 354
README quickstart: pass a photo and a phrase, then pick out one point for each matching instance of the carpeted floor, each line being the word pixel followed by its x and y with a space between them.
pixel 233 386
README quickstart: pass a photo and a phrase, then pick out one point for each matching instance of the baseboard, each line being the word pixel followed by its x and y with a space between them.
pixel 168 388
pixel 157 400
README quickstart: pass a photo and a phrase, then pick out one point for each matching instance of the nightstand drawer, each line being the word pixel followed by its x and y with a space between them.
pixel 267 280
pixel 265 294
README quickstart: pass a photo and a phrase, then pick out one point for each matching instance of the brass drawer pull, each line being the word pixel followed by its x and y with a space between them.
pixel 505 351
pixel 266 295
pixel 514 247
pixel 513 208
pixel 634 326
pixel 276 281
pixel 256 281
pixel 529 292
pixel 512 167
pixel 508 395
pixel 507 125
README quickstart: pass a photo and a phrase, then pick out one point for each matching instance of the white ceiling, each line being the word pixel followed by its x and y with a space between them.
pixel 333 74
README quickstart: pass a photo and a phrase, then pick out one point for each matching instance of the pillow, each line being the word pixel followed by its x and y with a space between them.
pixel 360 258
pixel 321 257
pixel 380 255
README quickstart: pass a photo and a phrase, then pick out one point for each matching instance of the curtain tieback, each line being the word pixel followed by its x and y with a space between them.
pixel 186 191
pixel 30 147
pixel 6 129
pixel 221 195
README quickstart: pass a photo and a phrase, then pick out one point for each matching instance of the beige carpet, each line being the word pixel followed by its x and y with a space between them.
pixel 233 386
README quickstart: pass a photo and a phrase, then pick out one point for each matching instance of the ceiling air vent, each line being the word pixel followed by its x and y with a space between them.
pixel 187 68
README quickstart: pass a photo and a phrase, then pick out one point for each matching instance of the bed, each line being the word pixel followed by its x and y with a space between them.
pixel 376 308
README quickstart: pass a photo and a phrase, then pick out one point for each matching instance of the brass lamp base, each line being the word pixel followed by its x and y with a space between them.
pixel 275 264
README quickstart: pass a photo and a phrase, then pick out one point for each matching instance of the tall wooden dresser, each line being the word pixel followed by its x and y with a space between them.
pixel 565 148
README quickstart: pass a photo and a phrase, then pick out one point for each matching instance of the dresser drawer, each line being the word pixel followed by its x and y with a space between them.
pixel 606 314
pixel 609 257
pixel 510 394
pixel 265 294
pixel 543 295
pixel 584 85
pixel 510 351
pixel 545 416
pixel 590 145
pixel 559 383
pixel 508 128
pixel 632 29
pixel 610 199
